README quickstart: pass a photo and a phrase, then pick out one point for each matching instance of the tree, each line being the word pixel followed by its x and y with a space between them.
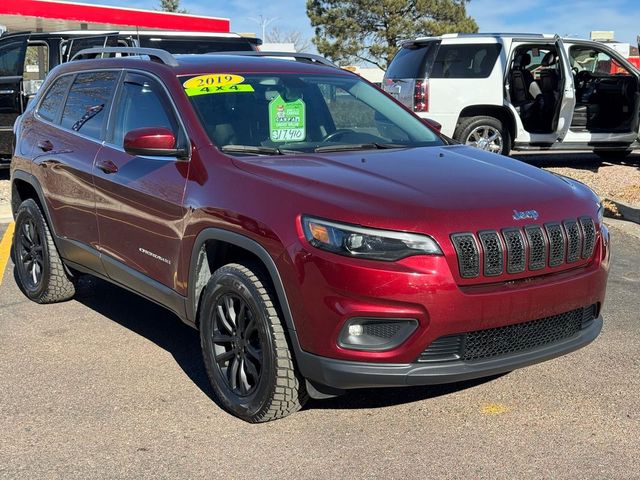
pixel 172 6
pixel 348 31
pixel 300 42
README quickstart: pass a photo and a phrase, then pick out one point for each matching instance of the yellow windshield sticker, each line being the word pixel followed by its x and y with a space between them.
pixel 192 92
pixel 213 80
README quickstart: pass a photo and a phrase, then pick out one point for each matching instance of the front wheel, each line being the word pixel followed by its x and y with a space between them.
pixel 245 348
pixel 486 133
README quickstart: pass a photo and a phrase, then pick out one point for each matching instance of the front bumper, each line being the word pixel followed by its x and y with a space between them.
pixel 343 375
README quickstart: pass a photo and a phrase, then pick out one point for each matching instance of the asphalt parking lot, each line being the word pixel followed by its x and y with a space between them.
pixel 109 385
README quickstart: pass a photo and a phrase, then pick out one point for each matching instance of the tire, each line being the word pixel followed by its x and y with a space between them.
pixel 40 272
pixel 473 128
pixel 245 349
pixel 613 154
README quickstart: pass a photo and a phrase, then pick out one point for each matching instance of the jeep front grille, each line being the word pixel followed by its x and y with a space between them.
pixel 516 250
pixel 494 342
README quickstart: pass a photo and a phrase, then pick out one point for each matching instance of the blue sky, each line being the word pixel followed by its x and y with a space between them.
pixel 566 17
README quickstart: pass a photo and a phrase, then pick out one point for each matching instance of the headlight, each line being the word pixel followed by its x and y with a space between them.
pixel 369 243
pixel 600 212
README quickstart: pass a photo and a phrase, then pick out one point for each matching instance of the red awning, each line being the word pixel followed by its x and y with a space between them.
pixel 101 14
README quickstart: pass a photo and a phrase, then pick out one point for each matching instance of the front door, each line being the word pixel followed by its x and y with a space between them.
pixel 567 89
pixel 139 198
pixel 12 54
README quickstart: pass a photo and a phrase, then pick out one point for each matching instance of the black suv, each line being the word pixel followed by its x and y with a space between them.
pixel 27 57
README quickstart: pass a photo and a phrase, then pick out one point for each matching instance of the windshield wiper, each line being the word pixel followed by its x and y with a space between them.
pixel 254 150
pixel 357 146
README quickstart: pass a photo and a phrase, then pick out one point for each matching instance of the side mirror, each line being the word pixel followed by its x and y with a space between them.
pixel 432 124
pixel 153 141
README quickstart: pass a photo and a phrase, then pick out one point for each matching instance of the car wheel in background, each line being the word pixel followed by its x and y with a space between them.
pixel 486 133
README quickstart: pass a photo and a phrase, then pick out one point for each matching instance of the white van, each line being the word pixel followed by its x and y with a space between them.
pixel 503 92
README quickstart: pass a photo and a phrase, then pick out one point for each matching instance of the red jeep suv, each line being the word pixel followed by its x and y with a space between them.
pixel 319 235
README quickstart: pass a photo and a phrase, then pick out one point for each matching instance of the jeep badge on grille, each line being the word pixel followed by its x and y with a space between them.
pixel 525 214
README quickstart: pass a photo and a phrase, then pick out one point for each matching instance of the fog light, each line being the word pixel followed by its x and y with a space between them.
pixel 356 330
pixel 376 333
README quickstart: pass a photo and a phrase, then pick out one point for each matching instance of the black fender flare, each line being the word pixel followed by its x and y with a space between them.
pixel 199 273
pixel 35 184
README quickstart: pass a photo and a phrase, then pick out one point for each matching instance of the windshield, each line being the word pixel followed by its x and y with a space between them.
pixel 287 113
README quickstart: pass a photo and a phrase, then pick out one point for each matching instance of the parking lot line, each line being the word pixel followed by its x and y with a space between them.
pixel 5 249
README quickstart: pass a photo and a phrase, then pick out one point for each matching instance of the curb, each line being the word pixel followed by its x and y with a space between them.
pixel 627 212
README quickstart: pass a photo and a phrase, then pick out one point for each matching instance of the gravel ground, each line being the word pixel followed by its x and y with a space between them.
pixel 614 179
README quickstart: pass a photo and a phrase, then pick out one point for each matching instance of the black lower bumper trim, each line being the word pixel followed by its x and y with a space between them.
pixel 343 374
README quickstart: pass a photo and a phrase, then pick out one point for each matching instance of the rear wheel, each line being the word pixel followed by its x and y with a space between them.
pixel 486 133
pixel 245 348
pixel 40 271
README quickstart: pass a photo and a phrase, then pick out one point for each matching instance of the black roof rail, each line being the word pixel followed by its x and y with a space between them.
pixel 162 55
pixel 298 57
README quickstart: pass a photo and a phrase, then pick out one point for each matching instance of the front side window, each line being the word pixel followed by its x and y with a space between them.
pixel 36 67
pixel 596 62
pixel 301 113
pixel 53 100
pixel 142 104
pixel 11 59
pixel 85 110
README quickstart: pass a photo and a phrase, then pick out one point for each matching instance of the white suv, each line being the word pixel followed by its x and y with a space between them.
pixel 503 92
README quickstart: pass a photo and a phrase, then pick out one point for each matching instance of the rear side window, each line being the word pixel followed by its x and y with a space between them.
pixel 412 61
pixel 196 45
pixel 86 108
pixel 51 104
pixel 465 61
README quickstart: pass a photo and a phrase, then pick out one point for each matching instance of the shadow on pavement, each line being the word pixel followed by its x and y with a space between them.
pixel 4 174
pixel 149 321
pixel 183 342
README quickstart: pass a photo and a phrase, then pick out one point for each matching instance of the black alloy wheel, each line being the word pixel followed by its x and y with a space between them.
pixel 29 259
pixel 245 348
pixel 237 344
pixel 40 271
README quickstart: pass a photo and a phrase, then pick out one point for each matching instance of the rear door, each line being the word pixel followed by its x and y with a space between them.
pixel 139 198
pixel 66 143
pixel 568 101
pixel 12 54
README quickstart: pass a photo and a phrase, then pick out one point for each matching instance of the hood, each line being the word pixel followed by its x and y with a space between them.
pixel 448 183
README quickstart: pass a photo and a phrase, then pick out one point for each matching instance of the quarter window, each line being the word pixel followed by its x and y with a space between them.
pixel 86 107
pixel 51 104
pixel 465 61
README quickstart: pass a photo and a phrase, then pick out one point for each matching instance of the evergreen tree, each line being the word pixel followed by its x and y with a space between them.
pixel 348 31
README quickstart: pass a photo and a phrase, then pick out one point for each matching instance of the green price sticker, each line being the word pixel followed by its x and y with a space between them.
pixel 207 90
pixel 287 120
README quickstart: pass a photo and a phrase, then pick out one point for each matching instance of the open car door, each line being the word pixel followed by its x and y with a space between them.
pixel 567 103
pixel 12 54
